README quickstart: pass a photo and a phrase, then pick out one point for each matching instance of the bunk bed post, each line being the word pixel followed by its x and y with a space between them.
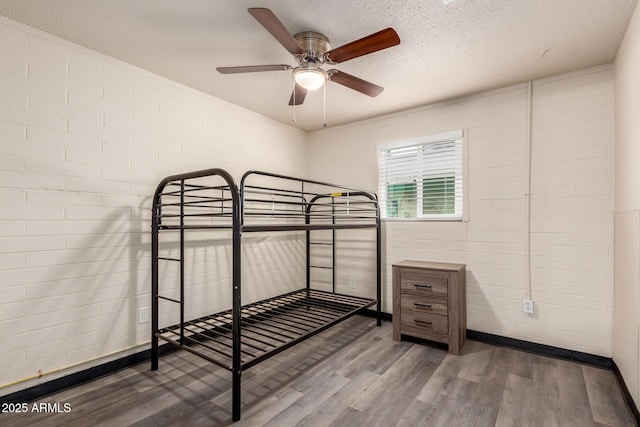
pixel 182 262
pixel 236 313
pixel 333 244
pixel 237 318
pixel 308 255
pixel 378 266
pixel 154 283
pixel 306 210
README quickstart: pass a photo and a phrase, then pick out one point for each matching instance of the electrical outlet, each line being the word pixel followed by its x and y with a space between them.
pixel 527 306
pixel 143 315
pixel 352 282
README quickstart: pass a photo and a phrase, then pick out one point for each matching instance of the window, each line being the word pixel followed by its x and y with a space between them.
pixel 422 180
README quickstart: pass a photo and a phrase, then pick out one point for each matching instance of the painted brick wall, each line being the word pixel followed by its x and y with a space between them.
pixel 626 322
pixel 571 205
pixel 84 139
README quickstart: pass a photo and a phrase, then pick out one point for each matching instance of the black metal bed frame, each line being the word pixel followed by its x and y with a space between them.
pixel 242 336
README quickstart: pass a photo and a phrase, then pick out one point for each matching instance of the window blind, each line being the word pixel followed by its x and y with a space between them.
pixel 422 180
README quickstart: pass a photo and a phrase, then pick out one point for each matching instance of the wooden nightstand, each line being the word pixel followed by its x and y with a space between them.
pixel 429 302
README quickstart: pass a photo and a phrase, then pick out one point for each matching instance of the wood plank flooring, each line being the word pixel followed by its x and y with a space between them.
pixel 351 375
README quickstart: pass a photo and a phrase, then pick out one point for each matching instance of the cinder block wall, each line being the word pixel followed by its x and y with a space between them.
pixel 626 323
pixel 571 204
pixel 84 140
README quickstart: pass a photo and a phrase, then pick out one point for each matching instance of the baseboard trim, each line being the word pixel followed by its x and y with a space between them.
pixel 626 393
pixel 48 388
pixel 372 313
pixel 528 346
pixel 542 349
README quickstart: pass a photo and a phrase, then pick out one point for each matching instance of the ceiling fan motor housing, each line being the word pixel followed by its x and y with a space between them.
pixel 315 46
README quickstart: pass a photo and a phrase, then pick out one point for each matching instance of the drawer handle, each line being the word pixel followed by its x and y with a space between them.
pixel 421 285
pixel 423 322
pixel 422 305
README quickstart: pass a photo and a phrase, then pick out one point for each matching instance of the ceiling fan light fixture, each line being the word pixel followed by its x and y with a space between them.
pixel 310 78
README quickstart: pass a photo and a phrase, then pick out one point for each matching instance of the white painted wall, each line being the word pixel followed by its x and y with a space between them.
pixel 84 139
pixel 626 324
pixel 572 205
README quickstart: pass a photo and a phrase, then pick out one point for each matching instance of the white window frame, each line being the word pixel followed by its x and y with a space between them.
pixel 460 210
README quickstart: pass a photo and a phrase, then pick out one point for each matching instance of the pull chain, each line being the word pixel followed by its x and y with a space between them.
pixel 324 105
pixel 294 103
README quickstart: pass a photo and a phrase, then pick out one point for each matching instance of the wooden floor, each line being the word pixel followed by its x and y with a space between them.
pixel 351 375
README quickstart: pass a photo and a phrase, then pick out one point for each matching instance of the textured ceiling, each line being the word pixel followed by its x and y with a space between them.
pixel 447 50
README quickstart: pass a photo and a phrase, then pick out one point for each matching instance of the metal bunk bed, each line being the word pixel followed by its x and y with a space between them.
pixel 244 335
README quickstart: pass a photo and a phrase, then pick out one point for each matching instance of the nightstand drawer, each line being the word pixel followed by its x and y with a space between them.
pixel 423 305
pixel 424 325
pixel 420 283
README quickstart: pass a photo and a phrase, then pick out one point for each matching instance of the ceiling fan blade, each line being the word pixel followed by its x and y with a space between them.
pixel 372 43
pixel 300 93
pixel 272 24
pixel 355 83
pixel 252 68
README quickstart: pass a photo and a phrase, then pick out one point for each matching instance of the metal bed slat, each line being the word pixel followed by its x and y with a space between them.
pixel 280 313
pixel 230 331
pixel 208 334
pixel 307 305
pixel 299 306
pixel 254 322
pixel 300 317
pixel 324 304
pixel 192 350
pixel 268 333
pixel 269 320
pixel 301 338
pixel 250 322
pixel 286 319
pixel 209 347
pixel 247 336
pixel 246 325
pixel 219 351
pixel 306 312
pixel 248 339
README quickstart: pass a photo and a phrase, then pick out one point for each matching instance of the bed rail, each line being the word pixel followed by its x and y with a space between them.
pixel 272 202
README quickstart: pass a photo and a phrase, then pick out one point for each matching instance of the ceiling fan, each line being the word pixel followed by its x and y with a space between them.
pixel 312 50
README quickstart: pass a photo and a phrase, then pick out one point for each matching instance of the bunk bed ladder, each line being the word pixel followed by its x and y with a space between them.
pixel 314 264
pixel 319 243
pixel 156 297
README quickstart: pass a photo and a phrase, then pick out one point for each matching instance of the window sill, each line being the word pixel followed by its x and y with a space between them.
pixel 423 220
